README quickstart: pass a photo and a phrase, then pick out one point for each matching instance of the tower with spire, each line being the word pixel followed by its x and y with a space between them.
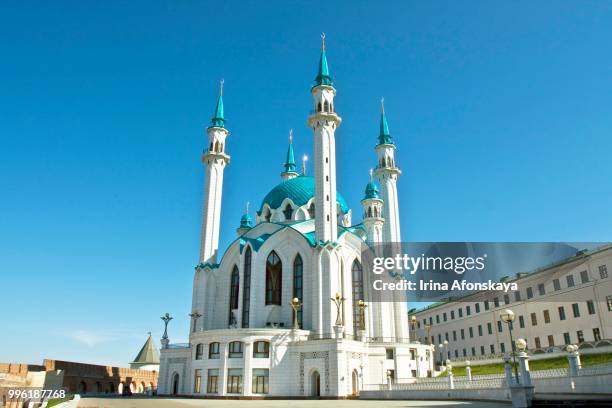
pixel 387 174
pixel 373 219
pixel 215 159
pixel 324 121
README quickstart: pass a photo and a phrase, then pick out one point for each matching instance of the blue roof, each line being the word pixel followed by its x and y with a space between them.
pixel 218 119
pixel 371 191
pixel 246 221
pixel 299 190
pixel 323 77
pixel 384 137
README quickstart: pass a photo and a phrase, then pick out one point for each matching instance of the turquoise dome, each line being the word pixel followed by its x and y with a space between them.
pixel 371 191
pixel 299 190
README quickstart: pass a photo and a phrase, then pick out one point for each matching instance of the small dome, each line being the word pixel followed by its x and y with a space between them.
pixel 371 191
pixel 300 190
pixel 246 221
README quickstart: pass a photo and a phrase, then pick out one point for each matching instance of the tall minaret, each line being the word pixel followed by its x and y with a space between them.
pixel 324 122
pixel 387 174
pixel 215 160
pixel 290 166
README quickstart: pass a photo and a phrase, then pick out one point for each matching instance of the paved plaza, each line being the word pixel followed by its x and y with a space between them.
pixel 211 403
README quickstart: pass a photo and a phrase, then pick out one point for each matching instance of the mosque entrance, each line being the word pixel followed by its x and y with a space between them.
pixel 315 384
pixel 175 384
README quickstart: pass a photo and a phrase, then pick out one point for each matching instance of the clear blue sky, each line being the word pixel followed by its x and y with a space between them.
pixel 500 111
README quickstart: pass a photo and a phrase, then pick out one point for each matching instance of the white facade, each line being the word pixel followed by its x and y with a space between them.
pixel 302 246
pixel 569 303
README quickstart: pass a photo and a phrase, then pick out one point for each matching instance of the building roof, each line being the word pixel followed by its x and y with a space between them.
pixel 300 190
pixel 384 137
pixel 323 77
pixel 580 254
pixel 371 191
pixel 148 353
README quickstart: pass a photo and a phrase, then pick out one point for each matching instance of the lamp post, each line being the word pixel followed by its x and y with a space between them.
pixel 428 331
pixel 507 316
pixel 362 306
pixel 166 318
pixel 194 316
pixel 295 305
pixel 447 348
pixel 338 301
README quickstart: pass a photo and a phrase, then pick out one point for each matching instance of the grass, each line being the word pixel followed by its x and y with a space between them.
pixel 534 365
pixel 56 401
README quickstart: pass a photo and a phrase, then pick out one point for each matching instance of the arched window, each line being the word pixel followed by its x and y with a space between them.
pixel 216 146
pixel 369 211
pixel 357 277
pixel 246 291
pixel 288 212
pixel 199 351
pixel 311 210
pixel 261 349
pixel 326 106
pixel 267 215
pixel 235 349
pixel 274 279
pixel 211 146
pixel 298 280
pixel 213 350
pixel 319 107
pixel 234 288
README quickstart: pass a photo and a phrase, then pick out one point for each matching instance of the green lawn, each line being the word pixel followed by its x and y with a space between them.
pixel 535 365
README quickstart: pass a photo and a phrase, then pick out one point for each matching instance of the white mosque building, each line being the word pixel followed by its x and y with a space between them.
pixel 302 251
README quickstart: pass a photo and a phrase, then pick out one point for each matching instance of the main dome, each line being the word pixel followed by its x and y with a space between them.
pixel 299 190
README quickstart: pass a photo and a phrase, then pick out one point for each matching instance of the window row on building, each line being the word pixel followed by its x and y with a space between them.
pixel 261 349
pixel 234 384
pixel 506 299
pixel 483 350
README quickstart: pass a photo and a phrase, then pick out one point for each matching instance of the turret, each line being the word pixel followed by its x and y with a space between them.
pixel 387 174
pixel 246 222
pixel 215 159
pixel 324 122
pixel 373 219
pixel 290 166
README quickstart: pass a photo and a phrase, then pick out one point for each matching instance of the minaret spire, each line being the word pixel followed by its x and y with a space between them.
pixel 323 77
pixel 218 119
pixel 384 137
pixel 290 166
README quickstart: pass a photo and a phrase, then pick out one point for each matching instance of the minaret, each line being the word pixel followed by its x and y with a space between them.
pixel 215 160
pixel 373 219
pixel 324 122
pixel 290 166
pixel 387 174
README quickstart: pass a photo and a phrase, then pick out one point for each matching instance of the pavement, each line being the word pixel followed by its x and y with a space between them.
pixel 138 402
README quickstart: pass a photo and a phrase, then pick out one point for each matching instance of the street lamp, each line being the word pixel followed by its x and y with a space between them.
pixel 447 348
pixel 507 316
pixel 295 305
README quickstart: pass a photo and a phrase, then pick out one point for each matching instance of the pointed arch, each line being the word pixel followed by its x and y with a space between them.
pixel 369 212
pixel 274 279
pixel 288 212
pixel 326 106
pixel 311 210
pixel 234 289
pixel 246 290
pixel 357 279
pixel 319 107
pixel 217 146
pixel 298 285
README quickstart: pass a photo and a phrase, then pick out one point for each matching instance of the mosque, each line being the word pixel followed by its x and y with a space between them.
pixel 286 310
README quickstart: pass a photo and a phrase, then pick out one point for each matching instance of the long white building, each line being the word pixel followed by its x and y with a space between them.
pixel 566 303
pixel 301 245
